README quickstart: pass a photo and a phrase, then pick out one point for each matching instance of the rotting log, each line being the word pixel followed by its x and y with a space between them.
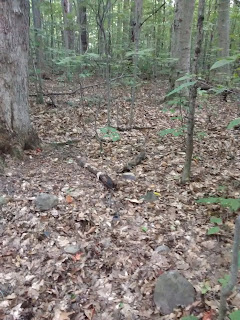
pixel 101 176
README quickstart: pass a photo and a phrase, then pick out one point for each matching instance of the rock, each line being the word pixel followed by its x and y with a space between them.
pixel 129 176
pixel 162 249
pixel 3 201
pixel 72 249
pixel 173 290
pixel 45 201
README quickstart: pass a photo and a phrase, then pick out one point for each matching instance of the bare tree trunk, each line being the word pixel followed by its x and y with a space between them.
pixel 181 39
pixel 68 33
pixel 52 31
pixel 135 38
pixel 125 26
pixel 193 95
pixel 224 35
pixel 37 23
pixel 16 132
pixel 82 21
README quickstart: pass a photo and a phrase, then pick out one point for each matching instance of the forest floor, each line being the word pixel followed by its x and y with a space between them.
pixel 113 275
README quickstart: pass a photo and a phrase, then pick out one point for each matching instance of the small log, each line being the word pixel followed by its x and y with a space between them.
pixel 102 176
pixel 133 163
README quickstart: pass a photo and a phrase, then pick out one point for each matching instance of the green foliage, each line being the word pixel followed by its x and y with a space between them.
pixel 111 133
pixel 181 87
pixel 205 287
pixel 235 315
pixel 189 318
pixel 233 204
pixel 233 123
pixel 213 230
pixel 224 281
pixel 224 62
pixel 216 220
pixel 175 132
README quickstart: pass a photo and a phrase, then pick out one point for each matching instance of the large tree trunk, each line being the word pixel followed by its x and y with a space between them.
pixel 181 39
pixel 16 132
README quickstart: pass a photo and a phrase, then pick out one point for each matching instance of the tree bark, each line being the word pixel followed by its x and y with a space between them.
pixel 224 35
pixel 68 33
pixel 193 95
pixel 37 24
pixel 16 131
pixel 181 39
pixel 82 21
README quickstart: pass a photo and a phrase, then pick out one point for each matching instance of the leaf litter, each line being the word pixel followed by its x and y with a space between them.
pixel 111 264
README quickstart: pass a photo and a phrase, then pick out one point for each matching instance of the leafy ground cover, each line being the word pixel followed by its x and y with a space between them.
pixel 114 273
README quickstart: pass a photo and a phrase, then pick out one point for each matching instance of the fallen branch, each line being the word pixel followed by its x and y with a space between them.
pixel 133 128
pixel 79 89
pixel 103 177
pixel 133 163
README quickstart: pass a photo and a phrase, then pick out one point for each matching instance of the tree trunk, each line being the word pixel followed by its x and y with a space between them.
pixel 68 33
pixel 181 39
pixel 224 35
pixel 37 24
pixel 16 132
pixel 193 95
pixel 82 21
pixel 136 38
pixel 125 25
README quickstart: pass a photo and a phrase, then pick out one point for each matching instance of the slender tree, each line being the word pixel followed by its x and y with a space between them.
pixel 193 94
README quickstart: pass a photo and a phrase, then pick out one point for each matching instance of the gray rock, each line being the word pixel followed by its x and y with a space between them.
pixel 72 249
pixel 3 201
pixel 173 290
pixel 45 201
pixel 129 176
pixel 162 249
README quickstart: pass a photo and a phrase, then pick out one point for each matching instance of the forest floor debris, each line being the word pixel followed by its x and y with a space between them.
pixel 113 272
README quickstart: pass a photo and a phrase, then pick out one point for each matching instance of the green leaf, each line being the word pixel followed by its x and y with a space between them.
pixel 181 87
pixel 235 315
pixel 205 288
pixel 144 229
pixel 186 77
pixel 233 123
pixel 213 230
pixel 189 318
pixel 111 133
pixel 216 220
pixel 233 204
pixel 224 281
pixel 208 200
pixel 175 132
pixel 221 63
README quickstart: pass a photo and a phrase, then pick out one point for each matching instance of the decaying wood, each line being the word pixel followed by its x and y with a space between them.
pixel 136 161
pixel 102 176
pixel 133 128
